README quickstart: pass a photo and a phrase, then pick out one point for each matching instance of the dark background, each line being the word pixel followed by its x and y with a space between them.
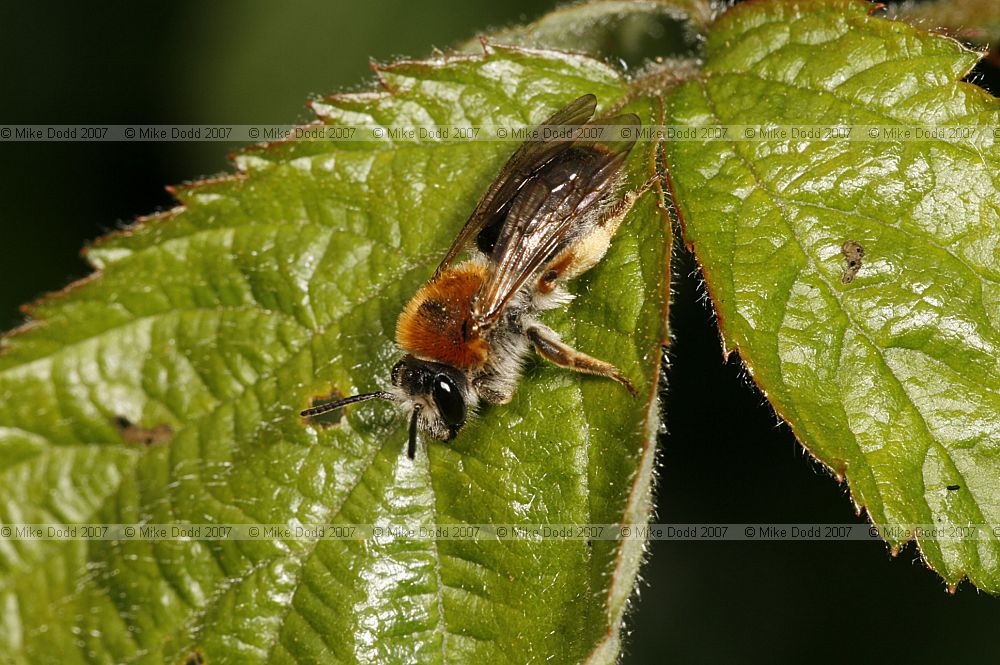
pixel 726 459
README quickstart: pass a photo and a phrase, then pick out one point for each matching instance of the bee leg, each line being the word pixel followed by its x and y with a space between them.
pixel 549 346
pixel 613 218
pixel 493 389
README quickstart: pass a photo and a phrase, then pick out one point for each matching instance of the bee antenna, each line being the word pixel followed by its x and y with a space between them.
pixel 340 403
pixel 411 448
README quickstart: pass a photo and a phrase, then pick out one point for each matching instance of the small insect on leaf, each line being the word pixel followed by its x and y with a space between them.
pixel 853 253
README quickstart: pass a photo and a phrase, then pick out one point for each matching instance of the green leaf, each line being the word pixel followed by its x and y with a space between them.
pixel 631 30
pixel 893 379
pixel 212 325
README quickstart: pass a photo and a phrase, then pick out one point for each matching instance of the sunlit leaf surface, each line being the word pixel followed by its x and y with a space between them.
pixel 208 328
pixel 888 371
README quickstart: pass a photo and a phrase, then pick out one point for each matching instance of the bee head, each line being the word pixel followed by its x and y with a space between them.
pixel 440 394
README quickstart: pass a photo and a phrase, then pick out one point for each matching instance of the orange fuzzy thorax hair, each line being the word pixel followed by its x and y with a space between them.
pixel 437 322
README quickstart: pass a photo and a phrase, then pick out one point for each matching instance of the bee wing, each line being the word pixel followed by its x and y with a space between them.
pixel 524 162
pixel 545 216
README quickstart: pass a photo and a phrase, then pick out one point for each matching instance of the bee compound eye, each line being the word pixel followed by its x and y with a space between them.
pixel 449 401
pixel 395 375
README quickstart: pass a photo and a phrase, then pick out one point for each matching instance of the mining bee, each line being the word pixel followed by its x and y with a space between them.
pixel 548 217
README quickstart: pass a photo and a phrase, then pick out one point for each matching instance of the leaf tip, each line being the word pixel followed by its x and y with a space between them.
pixel 30 309
pixel 485 43
pixel 377 70
pixel 5 338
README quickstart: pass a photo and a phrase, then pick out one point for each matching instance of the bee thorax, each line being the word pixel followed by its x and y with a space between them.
pixel 438 323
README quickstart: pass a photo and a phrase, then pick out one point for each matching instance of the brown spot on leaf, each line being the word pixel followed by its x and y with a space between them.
pixel 330 418
pixel 133 433
pixel 194 658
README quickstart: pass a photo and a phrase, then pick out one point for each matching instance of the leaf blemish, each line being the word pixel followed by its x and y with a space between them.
pixel 195 658
pixel 331 418
pixel 853 253
pixel 133 433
